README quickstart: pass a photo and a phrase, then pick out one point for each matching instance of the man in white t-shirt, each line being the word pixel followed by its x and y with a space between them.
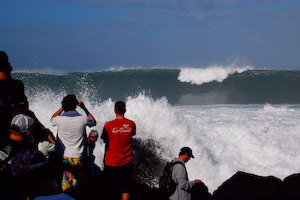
pixel 71 138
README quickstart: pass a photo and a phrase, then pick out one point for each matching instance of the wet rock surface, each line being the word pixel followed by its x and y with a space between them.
pixel 241 186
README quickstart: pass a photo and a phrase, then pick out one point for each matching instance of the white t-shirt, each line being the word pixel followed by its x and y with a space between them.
pixel 71 134
pixel 61 196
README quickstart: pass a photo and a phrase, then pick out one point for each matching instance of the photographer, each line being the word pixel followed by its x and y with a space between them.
pixel 71 137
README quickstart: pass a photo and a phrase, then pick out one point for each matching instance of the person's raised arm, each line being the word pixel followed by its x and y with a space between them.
pixel 82 106
pixel 57 113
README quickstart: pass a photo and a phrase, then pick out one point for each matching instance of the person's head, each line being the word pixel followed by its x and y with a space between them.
pixel 20 107
pixel 4 64
pixel 185 154
pixel 120 107
pixel 69 102
pixel 93 135
pixel 22 125
pixel 29 168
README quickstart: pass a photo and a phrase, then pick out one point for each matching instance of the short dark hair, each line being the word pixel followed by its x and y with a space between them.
pixel 4 64
pixel 69 102
pixel 120 107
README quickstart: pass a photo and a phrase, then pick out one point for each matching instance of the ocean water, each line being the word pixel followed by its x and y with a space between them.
pixel 234 118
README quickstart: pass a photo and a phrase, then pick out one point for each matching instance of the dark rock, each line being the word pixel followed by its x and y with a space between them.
pixel 200 192
pixel 147 166
pixel 241 186
pixel 144 192
pixel 244 186
pixel 291 187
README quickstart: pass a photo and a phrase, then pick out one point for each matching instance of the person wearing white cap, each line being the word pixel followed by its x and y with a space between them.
pixel 21 126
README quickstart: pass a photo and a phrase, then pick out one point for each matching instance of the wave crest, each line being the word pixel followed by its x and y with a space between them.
pixel 214 73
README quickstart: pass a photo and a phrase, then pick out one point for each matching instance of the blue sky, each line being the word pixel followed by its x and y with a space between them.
pixel 94 35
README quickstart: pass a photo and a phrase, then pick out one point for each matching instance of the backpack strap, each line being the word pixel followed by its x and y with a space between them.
pixel 173 164
pixel 176 162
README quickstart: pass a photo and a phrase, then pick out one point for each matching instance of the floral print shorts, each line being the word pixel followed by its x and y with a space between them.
pixel 73 174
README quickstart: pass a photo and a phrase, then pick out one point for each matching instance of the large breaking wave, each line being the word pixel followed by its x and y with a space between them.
pixel 232 125
pixel 214 73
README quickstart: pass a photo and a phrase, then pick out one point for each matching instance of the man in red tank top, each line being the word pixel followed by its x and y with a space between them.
pixel 118 172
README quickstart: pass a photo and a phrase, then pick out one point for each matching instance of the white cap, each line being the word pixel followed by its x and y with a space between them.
pixel 25 123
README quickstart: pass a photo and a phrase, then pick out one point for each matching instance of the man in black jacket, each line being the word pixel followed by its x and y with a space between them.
pixel 12 95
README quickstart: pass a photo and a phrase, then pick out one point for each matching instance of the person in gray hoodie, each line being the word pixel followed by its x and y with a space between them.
pixel 180 176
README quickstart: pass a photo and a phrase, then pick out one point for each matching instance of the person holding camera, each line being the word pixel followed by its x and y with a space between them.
pixel 70 145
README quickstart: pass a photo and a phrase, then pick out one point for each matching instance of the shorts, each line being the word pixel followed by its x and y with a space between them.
pixel 73 178
pixel 119 178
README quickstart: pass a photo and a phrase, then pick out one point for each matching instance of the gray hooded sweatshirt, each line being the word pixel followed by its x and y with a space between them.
pixel 180 177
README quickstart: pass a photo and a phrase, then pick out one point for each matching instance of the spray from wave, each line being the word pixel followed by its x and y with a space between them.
pixel 255 138
pixel 214 73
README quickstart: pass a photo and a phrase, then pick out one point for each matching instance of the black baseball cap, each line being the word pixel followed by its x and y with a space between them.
pixel 187 150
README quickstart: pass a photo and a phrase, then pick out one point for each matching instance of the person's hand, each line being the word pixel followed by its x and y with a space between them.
pixel 80 103
pixel 197 181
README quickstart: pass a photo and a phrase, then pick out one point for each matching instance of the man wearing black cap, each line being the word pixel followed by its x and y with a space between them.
pixel 12 95
pixel 118 171
pixel 180 177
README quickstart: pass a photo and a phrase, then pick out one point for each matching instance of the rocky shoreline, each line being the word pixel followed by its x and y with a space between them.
pixel 241 186
pixel 248 186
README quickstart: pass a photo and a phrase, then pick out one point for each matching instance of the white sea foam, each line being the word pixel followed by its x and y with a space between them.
pixel 259 139
pixel 256 139
pixel 199 76
pixel 41 71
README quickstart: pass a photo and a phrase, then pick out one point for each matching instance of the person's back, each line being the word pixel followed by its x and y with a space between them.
pixel 180 176
pixel 11 94
pixel 120 132
pixel 184 186
pixel 118 171
pixel 71 127
pixel 13 101
pixel 71 137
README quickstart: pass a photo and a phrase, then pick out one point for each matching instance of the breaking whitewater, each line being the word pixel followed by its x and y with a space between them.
pixel 234 119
